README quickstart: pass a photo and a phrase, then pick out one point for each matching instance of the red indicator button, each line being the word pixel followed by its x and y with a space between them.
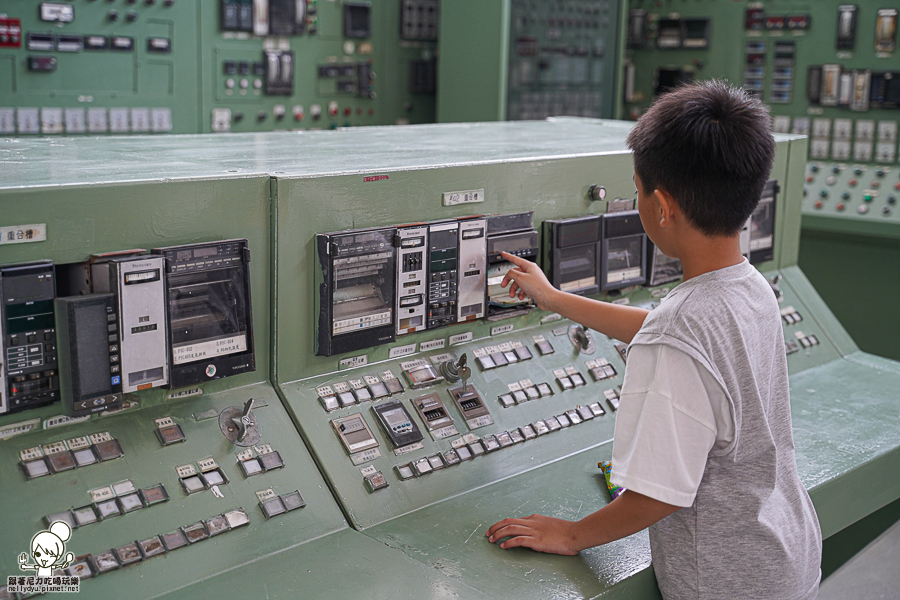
pixel 840 206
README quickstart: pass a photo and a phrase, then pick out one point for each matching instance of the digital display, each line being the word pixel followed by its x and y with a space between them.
pixel 204 252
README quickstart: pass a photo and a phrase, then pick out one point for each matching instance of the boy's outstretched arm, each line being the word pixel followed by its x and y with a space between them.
pixel 629 513
pixel 527 279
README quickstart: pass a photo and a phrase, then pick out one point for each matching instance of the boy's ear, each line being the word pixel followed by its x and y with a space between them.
pixel 667 206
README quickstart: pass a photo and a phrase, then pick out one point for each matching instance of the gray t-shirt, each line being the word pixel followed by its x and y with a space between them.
pixel 752 531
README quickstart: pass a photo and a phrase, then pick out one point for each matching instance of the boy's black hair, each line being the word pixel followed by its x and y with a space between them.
pixel 709 145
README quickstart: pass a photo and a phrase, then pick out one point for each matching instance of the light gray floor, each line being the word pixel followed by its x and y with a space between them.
pixel 873 574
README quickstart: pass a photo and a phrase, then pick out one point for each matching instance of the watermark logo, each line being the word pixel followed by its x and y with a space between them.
pixel 48 553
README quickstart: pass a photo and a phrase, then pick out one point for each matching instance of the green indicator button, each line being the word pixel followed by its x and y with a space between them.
pixel 868 197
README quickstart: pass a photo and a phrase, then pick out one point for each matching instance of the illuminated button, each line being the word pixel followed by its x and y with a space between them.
pixel 174 540
pixel 110 450
pixel 86 515
pixel 436 461
pixel 195 533
pixel 108 509
pixel 154 495
pixel 545 389
pixel 272 507
pixel 229 83
pixel 169 435
pixel 511 357
pixel 85 457
pixel 507 400
pixel 62 461
pixel 362 394
pixel 36 468
pixel 105 562
pixel 216 525
pixel 330 403
pixel 577 379
pixel 868 197
pixel 862 209
pixel 244 83
pixel 152 546
pixel 532 393
pixel 129 554
pixel 840 206
pixel 271 461
pixel 251 467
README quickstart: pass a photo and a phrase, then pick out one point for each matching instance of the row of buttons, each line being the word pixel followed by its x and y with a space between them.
pixel 31 339
pixel 66 460
pixel 476 447
pixel 128 500
pixel 343 394
pixel 511 352
pixel 89 566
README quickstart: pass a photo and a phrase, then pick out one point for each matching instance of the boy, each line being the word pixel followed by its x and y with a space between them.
pixel 703 439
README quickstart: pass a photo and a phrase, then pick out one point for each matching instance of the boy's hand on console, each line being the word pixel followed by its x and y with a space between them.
pixel 527 279
pixel 540 533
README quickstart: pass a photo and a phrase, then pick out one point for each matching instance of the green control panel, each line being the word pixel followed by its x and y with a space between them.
pixel 358 442
pixel 172 66
pixel 827 70
pixel 536 59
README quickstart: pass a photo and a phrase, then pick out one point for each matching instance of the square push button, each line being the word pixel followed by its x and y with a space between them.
pixel 152 546
pixel 545 389
pixel 507 400
pixel 404 471
pixel 215 477
pixel 271 461
pixel 486 362
pixel 346 399
pixel 85 457
pixel 85 515
pixel 130 502
pixel 272 507
pixel 520 396
pixel 374 482
pixel 129 554
pixel 36 468
pixel 110 450
pixel 464 453
pixel 108 509
pixel 105 561
pixel 174 540
pixel 62 461
pixel 394 386
pixel 294 500
pixel 552 423
pixel 217 525
pixel 237 518
pixel 451 457
pixel 66 517
pixel 523 353
pixel 499 359
pixel 169 435
pixel 195 533
pixel 192 485
pixel 154 495
pixel 545 348
pixel 251 467
pixel 80 569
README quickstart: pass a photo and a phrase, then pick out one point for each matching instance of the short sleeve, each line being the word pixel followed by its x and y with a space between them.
pixel 665 426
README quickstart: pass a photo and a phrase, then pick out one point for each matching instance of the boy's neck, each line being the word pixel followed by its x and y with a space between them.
pixel 704 254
